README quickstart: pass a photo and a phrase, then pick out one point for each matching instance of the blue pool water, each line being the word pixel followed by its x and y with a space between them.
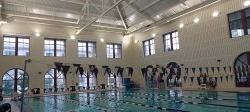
pixel 142 101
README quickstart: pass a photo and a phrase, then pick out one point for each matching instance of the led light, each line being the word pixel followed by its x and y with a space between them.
pixel 0 5
pixel 153 35
pixel 36 10
pixel 158 16
pixel 215 13
pixel 101 39
pixel 37 34
pixel 136 41
pixel 196 20
pixel 3 22
pixel 132 18
pixel 247 3
pixel 181 25
pixel 69 15
pixel 72 37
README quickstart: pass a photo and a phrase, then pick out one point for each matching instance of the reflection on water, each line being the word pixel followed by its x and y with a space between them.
pixel 143 100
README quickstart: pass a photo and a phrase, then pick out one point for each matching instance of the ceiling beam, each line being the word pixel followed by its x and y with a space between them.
pixel 150 5
pixel 81 2
pixel 38 16
pixel 94 20
pixel 82 13
pixel 137 9
pixel 46 8
pixel 178 15
pixel 121 16
pixel 44 18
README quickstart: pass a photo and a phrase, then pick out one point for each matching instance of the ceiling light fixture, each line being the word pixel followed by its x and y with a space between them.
pixel 196 20
pixel 3 22
pixel 153 35
pixel 37 34
pixel 101 39
pixel 35 10
pixel 136 41
pixel 72 37
pixel 181 25
pixel 215 13
pixel 158 16
pixel 247 3
pixel 69 15
pixel 131 18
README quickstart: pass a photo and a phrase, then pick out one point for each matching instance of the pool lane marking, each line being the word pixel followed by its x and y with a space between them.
pixel 187 90
pixel 193 97
pixel 136 103
pixel 141 104
pixel 189 93
pixel 185 102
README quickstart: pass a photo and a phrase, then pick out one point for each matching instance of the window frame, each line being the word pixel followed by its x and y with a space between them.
pixel 87 48
pixel 55 78
pixel 113 44
pixel 15 79
pixel 16 37
pixel 149 46
pixel 243 21
pixel 55 46
pixel 171 41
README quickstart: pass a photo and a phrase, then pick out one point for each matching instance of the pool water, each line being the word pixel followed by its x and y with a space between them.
pixel 142 101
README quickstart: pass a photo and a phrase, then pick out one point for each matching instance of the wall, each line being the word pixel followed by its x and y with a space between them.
pixel 42 64
pixel 201 44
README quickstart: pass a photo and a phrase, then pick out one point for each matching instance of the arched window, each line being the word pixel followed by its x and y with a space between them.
pixel 241 65
pixel 83 80
pixel 118 81
pixel 115 81
pixel 54 79
pixel 92 81
pixel 13 80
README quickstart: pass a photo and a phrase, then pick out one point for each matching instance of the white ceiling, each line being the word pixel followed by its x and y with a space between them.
pixel 126 17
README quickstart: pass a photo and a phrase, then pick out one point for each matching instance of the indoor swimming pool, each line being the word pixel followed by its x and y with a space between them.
pixel 142 101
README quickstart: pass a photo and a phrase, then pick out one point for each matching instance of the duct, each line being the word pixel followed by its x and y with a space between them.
pixel 62 24
pixel 10 3
pixel 38 16
pixel 52 20
pixel 81 2
pixel 46 8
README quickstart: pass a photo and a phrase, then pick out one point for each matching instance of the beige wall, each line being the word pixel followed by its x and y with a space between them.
pixel 201 45
pixel 42 64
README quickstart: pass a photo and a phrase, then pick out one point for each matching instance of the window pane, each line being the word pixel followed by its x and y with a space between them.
pixel 82 49
pixel 60 48
pixel 235 16
pixel 171 41
pixel 9 46
pixel 149 47
pixel 49 48
pixel 91 49
pixel 235 24
pixel 23 47
pixel 114 50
